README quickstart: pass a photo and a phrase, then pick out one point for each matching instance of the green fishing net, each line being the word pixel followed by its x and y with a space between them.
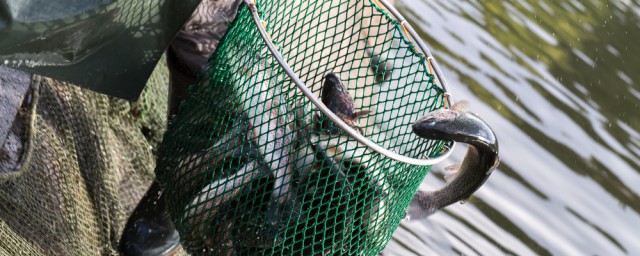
pixel 252 167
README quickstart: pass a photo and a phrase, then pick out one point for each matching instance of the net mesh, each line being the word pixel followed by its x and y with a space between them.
pixel 252 167
pixel 92 160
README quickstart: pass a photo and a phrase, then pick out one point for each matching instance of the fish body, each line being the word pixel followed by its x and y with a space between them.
pixel 335 97
pixel 480 160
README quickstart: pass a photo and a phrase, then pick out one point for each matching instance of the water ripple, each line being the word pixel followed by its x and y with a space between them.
pixel 555 80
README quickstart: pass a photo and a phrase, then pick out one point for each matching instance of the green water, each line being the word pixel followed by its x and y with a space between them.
pixel 559 83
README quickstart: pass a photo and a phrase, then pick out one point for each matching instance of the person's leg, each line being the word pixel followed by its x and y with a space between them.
pixel 149 230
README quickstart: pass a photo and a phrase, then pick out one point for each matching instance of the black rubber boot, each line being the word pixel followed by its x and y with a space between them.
pixel 149 230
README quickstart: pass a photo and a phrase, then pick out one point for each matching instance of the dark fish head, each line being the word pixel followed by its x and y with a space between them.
pixel 461 126
pixel 336 97
pixel 333 88
pixel 437 124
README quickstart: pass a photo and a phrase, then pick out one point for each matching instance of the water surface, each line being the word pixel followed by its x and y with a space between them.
pixel 558 82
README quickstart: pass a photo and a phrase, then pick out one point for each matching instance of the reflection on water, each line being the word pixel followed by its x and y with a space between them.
pixel 558 82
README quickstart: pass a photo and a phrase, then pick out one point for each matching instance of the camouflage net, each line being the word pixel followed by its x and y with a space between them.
pixel 252 167
pixel 92 159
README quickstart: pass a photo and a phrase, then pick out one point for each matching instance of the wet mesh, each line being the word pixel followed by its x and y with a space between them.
pixel 92 159
pixel 252 167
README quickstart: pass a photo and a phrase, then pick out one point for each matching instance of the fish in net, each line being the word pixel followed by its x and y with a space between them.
pixel 252 166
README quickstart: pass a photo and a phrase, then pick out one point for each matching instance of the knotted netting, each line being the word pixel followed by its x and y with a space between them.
pixel 252 167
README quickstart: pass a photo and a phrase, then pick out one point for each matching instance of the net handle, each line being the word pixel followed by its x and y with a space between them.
pixel 305 90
